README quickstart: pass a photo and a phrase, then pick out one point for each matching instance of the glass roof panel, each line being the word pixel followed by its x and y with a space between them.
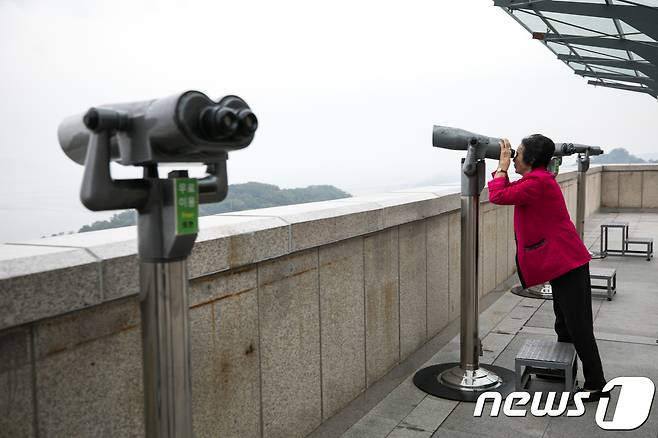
pixel 591 1
pixel 581 25
pixel 566 28
pixel 612 53
pixel 532 21
pixel 652 3
pixel 632 33
pixel 577 66
pixel 606 69
pixel 561 49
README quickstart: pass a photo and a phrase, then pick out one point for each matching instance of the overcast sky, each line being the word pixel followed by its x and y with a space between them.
pixel 346 91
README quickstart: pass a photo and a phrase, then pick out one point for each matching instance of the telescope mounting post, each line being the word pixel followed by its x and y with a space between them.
pixel 167 226
pixel 466 380
pixel 583 166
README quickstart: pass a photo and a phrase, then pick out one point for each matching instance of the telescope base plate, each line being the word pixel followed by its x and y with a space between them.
pixel 451 382
pixel 543 292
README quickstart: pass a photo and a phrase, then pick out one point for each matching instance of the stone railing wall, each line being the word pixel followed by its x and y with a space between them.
pixel 294 312
pixel 630 186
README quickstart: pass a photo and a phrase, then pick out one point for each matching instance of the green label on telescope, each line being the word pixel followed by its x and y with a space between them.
pixel 554 165
pixel 186 198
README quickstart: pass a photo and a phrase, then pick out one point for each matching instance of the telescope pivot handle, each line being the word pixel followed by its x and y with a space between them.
pixel 102 119
pixel 99 191
pixel 214 187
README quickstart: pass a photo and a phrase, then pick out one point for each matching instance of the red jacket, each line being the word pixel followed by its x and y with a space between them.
pixel 547 244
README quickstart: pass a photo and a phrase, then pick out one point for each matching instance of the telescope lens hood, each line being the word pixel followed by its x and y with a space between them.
pixel 218 122
pixel 248 122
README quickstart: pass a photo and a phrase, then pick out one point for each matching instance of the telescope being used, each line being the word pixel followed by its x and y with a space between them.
pixel 489 147
pixel 459 140
pixel 467 379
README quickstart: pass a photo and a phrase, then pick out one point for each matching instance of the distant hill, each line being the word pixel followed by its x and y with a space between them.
pixel 619 156
pixel 246 196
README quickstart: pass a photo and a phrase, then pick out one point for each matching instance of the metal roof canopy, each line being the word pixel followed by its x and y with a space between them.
pixel 612 41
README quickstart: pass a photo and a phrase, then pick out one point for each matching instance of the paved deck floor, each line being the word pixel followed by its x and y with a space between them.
pixel 626 329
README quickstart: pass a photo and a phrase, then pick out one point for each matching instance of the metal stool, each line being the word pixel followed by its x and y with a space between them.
pixel 540 356
pixel 625 241
pixel 604 238
pixel 609 275
pixel 648 241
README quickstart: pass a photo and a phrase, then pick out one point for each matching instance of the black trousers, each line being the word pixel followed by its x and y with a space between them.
pixel 572 304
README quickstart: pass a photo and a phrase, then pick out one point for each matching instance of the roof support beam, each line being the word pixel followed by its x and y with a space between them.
pixel 617 77
pixel 624 87
pixel 644 67
pixel 643 19
pixel 646 50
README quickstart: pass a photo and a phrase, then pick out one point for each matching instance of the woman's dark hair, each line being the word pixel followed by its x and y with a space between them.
pixel 538 150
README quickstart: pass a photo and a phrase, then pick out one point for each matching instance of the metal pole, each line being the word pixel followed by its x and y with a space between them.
pixel 470 340
pixel 468 375
pixel 580 201
pixel 176 129
pixel 166 349
pixel 467 379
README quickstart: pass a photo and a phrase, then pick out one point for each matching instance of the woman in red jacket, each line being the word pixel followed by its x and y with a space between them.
pixel 548 248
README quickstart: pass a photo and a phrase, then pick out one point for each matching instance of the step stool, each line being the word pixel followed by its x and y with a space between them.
pixel 541 356
pixel 604 238
pixel 626 241
pixel 648 241
pixel 609 275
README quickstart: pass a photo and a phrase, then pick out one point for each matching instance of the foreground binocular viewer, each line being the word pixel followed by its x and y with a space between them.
pixel 187 127
pixel 183 128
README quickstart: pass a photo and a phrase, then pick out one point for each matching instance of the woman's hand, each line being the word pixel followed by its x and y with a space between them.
pixel 505 154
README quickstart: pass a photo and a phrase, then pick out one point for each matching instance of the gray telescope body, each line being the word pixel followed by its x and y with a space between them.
pixel 564 149
pixel 459 140
pixel 466 380
pixel 184 128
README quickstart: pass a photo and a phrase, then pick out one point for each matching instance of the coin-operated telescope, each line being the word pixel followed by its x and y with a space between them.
pixel 566 149
pixel 477 147
pixel 583 152
pixel 187 127
pixel 466 380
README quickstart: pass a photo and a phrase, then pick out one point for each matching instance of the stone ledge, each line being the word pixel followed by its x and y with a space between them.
pixel 639 167
pixel 39 281
pixel 51 276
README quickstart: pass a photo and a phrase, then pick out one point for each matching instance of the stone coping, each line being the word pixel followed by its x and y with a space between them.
pixel 641 167
pixel 51 276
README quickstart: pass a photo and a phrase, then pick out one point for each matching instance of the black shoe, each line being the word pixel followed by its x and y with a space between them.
pixel 594 394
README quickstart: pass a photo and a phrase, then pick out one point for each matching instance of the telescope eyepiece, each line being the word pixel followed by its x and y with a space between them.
pixel 248 122
pixel 218 122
